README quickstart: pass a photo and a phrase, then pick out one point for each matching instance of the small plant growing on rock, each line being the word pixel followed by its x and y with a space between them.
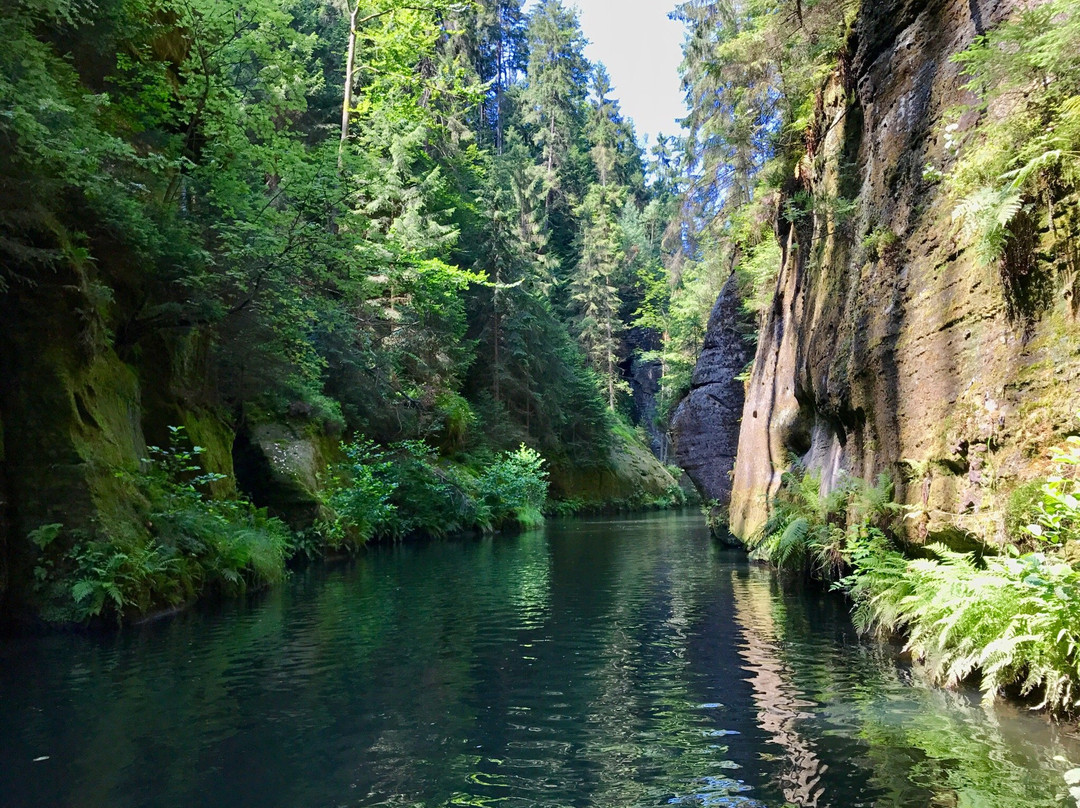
pixel 879 242
pixel 1057 510
pixel 816 533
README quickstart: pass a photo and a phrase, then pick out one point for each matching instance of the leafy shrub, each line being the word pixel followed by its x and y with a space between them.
pixel 673 497
pixel 515 487
pixel 405 490
pixel 566 507
pixel 1016 172
pixel 879 242
pixel 431 499
pixel 1057 509
pixel 95 577
pixel 458 419
pixel 358 493
pixel 234 543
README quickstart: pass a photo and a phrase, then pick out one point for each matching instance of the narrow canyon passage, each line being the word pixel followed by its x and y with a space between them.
pixel 603 662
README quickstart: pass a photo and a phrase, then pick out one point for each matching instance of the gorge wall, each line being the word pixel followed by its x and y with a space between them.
pixel 704 442
pixel 888 348
pixel 80 403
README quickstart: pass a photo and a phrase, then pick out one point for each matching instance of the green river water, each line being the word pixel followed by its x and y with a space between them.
pixel 608 662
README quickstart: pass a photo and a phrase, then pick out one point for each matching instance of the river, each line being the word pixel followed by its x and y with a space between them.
pixel 605 662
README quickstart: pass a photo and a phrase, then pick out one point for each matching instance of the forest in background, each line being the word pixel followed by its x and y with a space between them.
pixel 464 240
pixel 457 258
pixel 425 231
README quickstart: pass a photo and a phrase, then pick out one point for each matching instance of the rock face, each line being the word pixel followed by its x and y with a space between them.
pixel 705 427
pixel 888 348
pixel 632 476
pixel 645 376
pixel 74 412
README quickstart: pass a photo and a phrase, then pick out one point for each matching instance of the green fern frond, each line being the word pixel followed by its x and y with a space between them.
pixel 985 215
pixel 789 550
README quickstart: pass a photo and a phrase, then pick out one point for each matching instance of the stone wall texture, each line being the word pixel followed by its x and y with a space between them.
pixel 705 427
pixel 887 347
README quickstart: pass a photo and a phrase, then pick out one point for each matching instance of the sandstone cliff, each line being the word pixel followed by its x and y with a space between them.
pixel 888 348
pixel 705 425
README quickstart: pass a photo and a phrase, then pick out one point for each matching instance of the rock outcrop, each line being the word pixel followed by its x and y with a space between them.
pixel 645 377
pixel 282 467
pixel 888 348
pixel 76 413
pixel 631 477
pixel 705 427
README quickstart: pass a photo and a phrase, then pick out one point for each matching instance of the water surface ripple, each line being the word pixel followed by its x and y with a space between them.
pixel 610 663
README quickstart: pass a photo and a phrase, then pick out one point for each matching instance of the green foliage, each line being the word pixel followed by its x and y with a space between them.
pixel 567 507
pixel 1014 620
pixel 232 543
pixel 405 490
pixel 750 71
pixel 594 294
pixel 1056 511
pixel 985 214
pixel 878 242
pixel 757 270
pixel 515 487
pixel 358 493
pixel 817 533
pixel 1020 510
pixel 459 419
pixel 424 272
pixel 196 544
pixel 429 498
pixel 555 89
pixel 1022 158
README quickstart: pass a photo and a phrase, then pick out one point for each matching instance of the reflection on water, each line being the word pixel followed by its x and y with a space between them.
pixel 780 706
pixel 607 663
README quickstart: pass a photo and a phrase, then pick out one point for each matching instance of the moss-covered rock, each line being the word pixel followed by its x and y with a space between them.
pixel 281 467
pixel 632 477
pixel 72 416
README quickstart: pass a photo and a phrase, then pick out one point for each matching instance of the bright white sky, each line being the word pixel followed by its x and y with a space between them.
pixel 642 50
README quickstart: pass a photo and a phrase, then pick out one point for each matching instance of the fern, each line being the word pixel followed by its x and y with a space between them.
pixel 985 215
pixel 1012 620
pixel 789 548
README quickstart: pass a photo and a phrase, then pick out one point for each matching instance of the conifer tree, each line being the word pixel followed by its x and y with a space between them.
pixel 555 87
pixel 594 293
pixel 603 125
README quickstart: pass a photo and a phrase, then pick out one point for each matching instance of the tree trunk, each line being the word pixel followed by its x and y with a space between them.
pixel 499 79
pixel 350 69
pixel 550 167
pixel 610 365
pixel 496 337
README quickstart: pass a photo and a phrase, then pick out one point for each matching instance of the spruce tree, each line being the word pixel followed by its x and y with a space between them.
pixel 594 293
pixel 554 94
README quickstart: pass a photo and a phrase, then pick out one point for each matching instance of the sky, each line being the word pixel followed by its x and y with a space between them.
pixel 642 50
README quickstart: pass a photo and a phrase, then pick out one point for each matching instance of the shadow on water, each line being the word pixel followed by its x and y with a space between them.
pixel 607 662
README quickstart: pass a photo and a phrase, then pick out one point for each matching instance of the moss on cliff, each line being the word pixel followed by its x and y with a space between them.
pixel 632 477
pixel 906 352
